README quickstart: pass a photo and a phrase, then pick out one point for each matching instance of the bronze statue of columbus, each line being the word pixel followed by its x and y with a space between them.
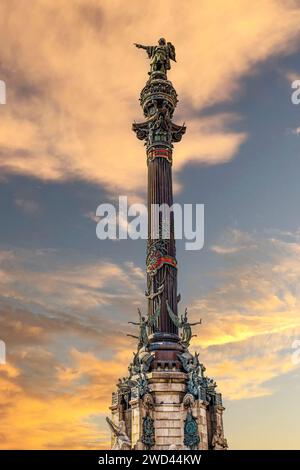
pixel 160 56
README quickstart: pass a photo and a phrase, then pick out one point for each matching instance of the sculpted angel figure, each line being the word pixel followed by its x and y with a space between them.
pixel 184 324
pixel 144 325
pixel 122 441
pixel 160 55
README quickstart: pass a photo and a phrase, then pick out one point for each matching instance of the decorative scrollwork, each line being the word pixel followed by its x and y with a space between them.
pixel 159 153
pixel 157 257
pixel 158 90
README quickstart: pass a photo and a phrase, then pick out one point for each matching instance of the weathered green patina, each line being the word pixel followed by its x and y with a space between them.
pixel 191 435
pixel 148 437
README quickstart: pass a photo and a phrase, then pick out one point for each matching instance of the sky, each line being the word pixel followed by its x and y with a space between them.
pixel 73 80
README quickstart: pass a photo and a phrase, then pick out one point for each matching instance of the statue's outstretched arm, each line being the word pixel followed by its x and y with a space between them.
pixel 197 323
pixel 140 46
pixel 133 323
pixel 148 49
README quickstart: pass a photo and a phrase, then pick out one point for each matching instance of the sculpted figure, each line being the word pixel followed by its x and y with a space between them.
pixel 184 324
pixel 159 55
pixel 218 441
pixel 122 441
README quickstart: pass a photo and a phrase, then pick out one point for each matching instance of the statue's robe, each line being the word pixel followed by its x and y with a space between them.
pixel 159 54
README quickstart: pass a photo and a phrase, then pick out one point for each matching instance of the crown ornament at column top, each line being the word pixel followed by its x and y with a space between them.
pixel 158 100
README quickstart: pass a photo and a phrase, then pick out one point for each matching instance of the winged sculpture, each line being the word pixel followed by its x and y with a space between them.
pixel 144 324
pixel 184 324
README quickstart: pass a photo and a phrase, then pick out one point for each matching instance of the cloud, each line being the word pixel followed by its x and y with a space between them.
pixel 73 81
pixel 257 291
pixel 63 363
pixel 59 392
pixel 210 141
pixel 291 75
pixel 41 279
pixel 246 369
pixel 234 241
pixel 42 296
pixel 64 421
pixel 28 206
pixel 92 216
pixel 296 131
pixel 60 396
pixel 252 314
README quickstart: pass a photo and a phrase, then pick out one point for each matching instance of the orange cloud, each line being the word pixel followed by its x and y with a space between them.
pixel 73 81
pixel 67 415
pixel 257 293
pixel 62 393
pixel 84 286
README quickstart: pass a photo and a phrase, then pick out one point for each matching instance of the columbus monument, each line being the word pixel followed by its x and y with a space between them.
pixel 166 401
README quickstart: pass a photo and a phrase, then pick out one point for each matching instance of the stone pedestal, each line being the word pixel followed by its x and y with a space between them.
pixel 168 390
pixel 166 406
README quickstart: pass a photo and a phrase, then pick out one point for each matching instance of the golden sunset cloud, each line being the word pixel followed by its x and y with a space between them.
pixel 73 78
pixel 62 394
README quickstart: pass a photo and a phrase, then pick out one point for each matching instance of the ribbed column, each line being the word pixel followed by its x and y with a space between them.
pixel 160 192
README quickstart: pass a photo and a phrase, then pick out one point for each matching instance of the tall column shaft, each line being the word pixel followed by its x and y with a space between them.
pixel 158 131
pixel 160 192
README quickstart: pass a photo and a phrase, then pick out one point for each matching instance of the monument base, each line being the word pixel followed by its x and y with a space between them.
pixel 168 416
